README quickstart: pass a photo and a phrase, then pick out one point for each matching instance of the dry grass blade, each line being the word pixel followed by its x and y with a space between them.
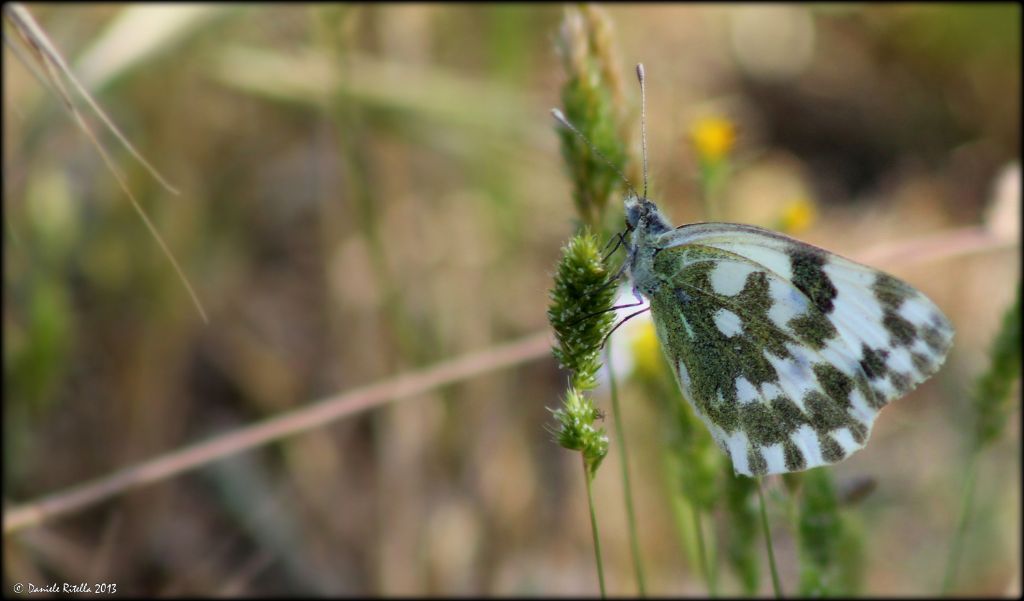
pixel 309 78
pixel 53 65
pixel 36 38
pixel 292 422
pixel 139 33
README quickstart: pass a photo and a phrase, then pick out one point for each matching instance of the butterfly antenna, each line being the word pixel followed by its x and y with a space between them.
pixel 561 119
pixel 643 119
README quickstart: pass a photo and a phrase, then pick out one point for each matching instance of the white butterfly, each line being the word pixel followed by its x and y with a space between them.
pixel 785 350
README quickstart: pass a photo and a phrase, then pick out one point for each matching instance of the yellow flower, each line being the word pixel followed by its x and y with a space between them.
pixel 797 215
pixel 713 137
pixel 646 351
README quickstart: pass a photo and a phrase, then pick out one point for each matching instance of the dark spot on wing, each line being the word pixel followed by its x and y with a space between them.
pixel 810 277
pixel 830 449
pixel 813 328
pixel 756 462
pixel 794 457
pixel 859 431
pixel 878 399
pixel 825 414
pixel 921 363
pixel 901 331
pixel 935 340
pixel 902 382
pixel 835 383
pixel 761 426
pixel 873 362
pixel 890 291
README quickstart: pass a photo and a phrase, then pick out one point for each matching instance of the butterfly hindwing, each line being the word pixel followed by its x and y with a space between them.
pixel 786 351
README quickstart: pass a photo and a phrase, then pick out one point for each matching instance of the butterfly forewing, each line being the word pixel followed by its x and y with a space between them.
pixel 785 350
pixel 899 334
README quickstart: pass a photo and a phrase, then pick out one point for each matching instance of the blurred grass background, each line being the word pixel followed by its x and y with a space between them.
pixel 369 189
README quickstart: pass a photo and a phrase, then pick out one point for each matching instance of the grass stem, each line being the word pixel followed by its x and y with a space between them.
pixel 620 437
pixel 286 423
pixel 705 566
pixel 768 542
pixel 966 504
pixel 593 525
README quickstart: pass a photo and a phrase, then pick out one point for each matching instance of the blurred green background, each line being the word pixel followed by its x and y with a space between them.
pixel 370 189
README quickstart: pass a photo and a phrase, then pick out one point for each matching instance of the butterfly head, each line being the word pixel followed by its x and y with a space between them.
pixel 643 215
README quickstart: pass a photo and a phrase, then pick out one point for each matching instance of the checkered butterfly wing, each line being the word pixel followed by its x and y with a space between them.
pixel 786 351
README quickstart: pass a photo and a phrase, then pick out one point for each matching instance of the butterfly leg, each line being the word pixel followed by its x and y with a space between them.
pixel 639 302
pixel 624 320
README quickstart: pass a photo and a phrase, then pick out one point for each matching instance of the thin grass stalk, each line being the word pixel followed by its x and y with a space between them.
pixel 741 533
pixel 679 506
pixel 991 404
pixel 287 423
pixel 966 505
pixel 776 585
pixel 705 566
pixel 588 478
pixel 620 437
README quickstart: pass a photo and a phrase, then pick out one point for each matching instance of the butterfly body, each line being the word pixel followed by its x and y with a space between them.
pixel 786 351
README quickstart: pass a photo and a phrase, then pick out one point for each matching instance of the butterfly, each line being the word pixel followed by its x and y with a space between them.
pixel 787 352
